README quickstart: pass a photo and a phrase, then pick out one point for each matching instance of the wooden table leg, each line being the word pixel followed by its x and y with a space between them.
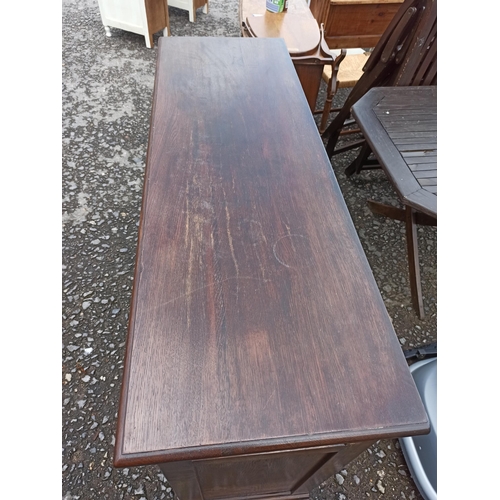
pixel 412 218
pixel 413 261
pixel 310 79
pixel 357 164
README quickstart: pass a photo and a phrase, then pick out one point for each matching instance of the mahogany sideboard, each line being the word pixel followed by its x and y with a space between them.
pixel 260 358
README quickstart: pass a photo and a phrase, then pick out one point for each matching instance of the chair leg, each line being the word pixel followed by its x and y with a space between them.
pixel 356 166
pixel 325 114
pixel 331 88
pixel 327 106
pixel 413 261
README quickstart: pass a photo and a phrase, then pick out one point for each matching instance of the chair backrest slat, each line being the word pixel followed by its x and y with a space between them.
pixel 424 35
pixel 395 24
pixel 428 66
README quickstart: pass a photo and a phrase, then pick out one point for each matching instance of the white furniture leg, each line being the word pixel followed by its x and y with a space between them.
pixel 190 6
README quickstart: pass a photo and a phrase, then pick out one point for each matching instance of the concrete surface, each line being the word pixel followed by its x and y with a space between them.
pixel 106 100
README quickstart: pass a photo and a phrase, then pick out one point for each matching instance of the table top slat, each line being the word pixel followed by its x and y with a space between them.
pixel 423 174
pixel 406 146
pixel 421 155
pixel 427 181
pixel 404 125
pixel 418 160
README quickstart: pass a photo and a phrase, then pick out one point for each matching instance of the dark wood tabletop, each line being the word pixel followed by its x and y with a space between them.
pixel 256 323
pixel 400 125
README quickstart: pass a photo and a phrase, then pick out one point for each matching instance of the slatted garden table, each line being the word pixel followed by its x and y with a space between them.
pixel 400 127
pixel 260 357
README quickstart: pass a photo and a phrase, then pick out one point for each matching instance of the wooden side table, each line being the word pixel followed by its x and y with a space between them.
pixel 260 357
pixel 301 33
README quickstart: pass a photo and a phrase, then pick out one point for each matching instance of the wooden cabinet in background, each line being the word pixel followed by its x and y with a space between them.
pixel 354 23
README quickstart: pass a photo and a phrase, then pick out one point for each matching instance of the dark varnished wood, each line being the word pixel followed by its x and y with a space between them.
pixel 243 336
pixel 413 260
pixel 287 475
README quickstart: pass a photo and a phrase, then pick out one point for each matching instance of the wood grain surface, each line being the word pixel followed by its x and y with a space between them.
pixel 256 323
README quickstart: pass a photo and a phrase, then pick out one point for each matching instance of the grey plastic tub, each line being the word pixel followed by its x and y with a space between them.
pixel 420 452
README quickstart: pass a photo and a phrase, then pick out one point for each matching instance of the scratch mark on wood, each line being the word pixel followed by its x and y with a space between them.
pixel 191 292
pixel 289 236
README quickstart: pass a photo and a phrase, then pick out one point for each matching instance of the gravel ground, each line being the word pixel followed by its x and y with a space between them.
pixel 106 101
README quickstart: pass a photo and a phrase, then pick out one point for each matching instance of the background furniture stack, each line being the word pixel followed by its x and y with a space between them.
pixel 406 55
pixel 303 38
pixel 354 26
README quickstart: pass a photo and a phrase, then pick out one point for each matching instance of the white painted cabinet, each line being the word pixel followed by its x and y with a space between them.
pixel 144 17
pixel 190 6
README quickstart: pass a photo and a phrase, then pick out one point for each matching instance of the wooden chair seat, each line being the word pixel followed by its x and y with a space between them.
pixel 350 70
